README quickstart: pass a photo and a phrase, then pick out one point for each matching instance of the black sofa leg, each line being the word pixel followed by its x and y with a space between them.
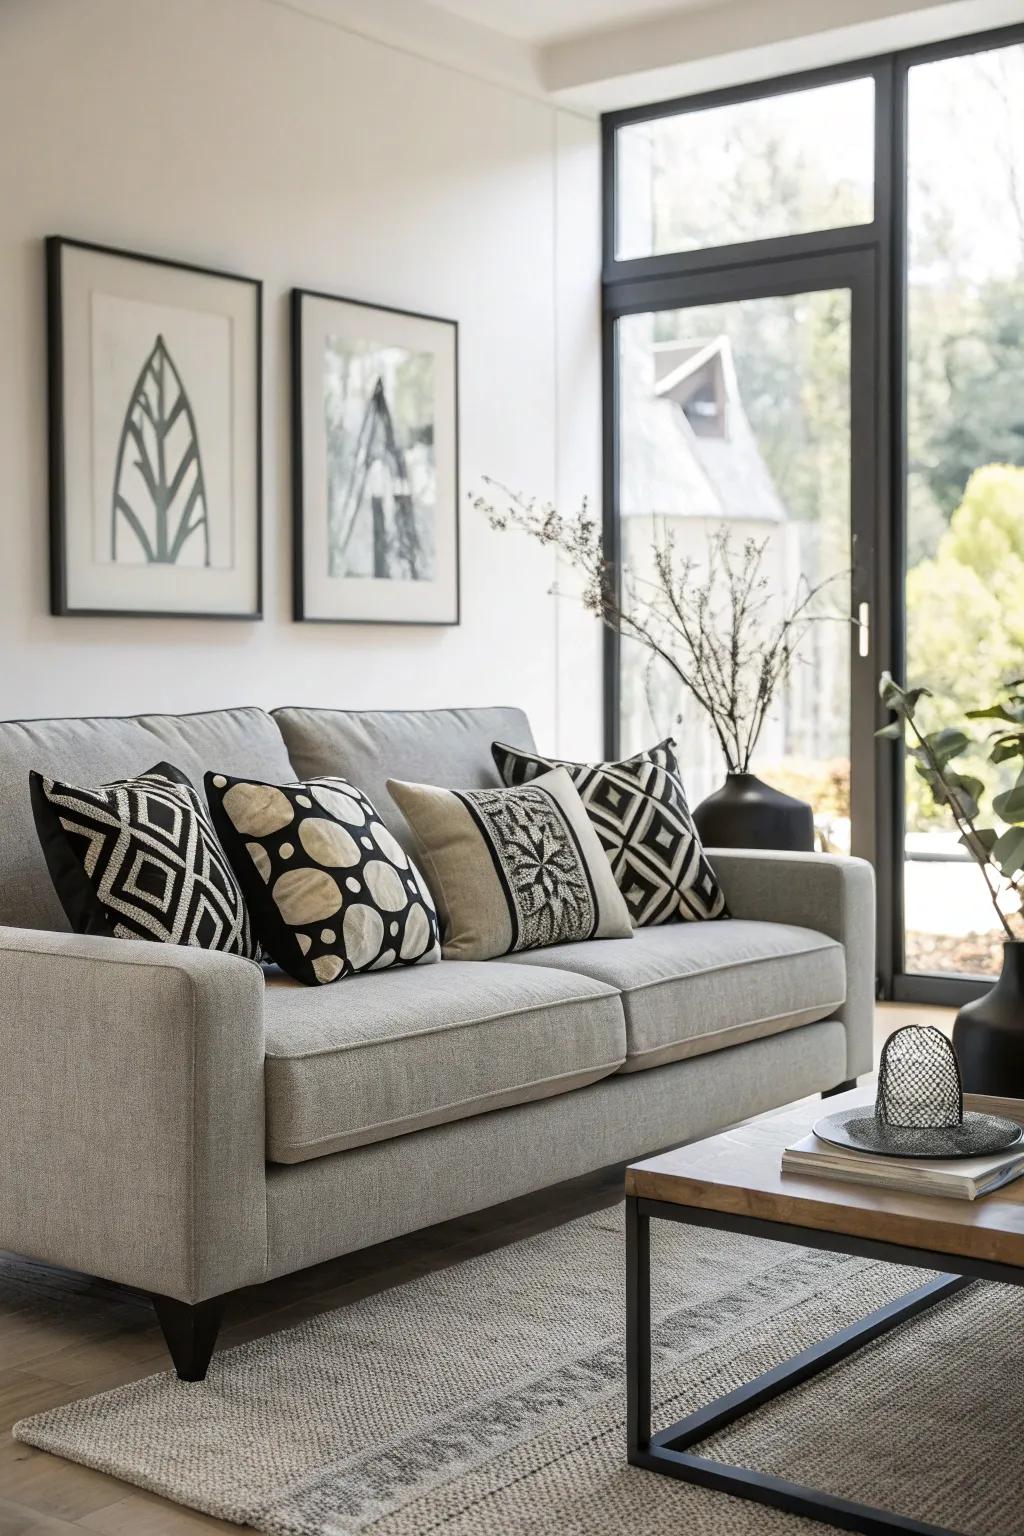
pixel 190 1333
pixel 851 1082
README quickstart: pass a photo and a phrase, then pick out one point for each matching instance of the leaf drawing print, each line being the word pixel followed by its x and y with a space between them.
pixel 159 489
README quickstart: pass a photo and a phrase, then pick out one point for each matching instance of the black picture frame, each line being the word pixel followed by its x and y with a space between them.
pixel 301 606
pixel 61 604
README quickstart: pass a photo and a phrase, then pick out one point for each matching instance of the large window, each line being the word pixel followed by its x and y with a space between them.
pixel 814 299
pixel 965 452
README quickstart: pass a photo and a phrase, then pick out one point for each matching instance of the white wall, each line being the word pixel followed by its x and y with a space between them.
pixel 243 134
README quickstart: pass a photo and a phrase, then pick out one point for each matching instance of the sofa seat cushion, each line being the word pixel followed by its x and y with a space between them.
pixel 377 1056
pixel 688 988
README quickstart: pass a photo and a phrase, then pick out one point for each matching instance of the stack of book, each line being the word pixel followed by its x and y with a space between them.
pixel 962 1178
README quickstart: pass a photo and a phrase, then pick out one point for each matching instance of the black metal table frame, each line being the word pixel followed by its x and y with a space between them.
pixel 669 1450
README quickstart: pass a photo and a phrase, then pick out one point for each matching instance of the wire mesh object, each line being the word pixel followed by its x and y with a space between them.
pixel 919 1108
pixel 919 1080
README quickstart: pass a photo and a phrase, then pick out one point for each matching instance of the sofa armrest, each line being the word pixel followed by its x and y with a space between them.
pixel 132 1111
pixel 831 894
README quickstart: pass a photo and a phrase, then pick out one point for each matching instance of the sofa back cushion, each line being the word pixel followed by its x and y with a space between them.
pixel 92 751
pixel 448 747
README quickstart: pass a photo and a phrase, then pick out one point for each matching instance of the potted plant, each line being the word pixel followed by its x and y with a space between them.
pixel 717 627
pixel 989 1032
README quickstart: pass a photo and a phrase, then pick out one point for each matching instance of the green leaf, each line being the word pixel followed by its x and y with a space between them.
pixel 1008 851
pixel 1014 713
pixel 903 701
pixel 1005 748
pixel 889 692
pixel 947 743
pixel 962 791
pixel 965 793
pixel 891 732
pixel 979 843
pixel 1010 806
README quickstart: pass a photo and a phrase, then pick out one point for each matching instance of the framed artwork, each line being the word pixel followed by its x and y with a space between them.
pixel 376 463
pixel 155 378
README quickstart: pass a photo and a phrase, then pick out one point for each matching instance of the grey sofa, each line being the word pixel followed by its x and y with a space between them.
pixel 178 1121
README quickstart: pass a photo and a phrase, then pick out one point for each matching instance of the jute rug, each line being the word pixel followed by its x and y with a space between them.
pixel 487 1400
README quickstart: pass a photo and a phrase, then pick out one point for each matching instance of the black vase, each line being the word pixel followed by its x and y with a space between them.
pixel 988 1035
pixel 747 813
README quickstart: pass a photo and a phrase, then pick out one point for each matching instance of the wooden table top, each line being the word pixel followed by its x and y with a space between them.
pixel 740 1172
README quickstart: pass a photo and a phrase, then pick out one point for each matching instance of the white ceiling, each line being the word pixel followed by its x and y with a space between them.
pixel 594 55
pixel 541 21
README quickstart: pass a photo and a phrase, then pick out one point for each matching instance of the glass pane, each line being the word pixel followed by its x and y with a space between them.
pixel 780 165
pixel 736 417
pixel 965 451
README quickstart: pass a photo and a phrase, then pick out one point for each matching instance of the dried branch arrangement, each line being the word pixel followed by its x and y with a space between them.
pixel 716 624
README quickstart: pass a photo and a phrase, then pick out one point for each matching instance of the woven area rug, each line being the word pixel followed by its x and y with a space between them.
pixel 487 1400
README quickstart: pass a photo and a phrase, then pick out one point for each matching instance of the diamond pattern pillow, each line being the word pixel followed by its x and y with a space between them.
pixel 330 890
pixel 138 859
pixel 639 810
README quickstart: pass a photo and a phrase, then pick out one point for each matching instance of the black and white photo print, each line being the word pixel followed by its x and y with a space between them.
pixel 154 436
pixel 376 463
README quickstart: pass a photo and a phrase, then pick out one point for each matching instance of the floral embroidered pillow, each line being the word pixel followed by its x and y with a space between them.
pixel 513 869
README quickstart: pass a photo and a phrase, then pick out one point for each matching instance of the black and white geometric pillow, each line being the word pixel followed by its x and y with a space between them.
pixel 139 859
pixel 641 815
pixel 330 890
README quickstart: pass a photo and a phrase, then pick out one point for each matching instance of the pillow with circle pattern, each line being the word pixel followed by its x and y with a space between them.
pixel 330 891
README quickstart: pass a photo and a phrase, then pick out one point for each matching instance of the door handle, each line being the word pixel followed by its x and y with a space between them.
pixel 864 629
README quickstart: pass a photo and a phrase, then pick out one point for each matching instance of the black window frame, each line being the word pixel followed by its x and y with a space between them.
pixel 677 279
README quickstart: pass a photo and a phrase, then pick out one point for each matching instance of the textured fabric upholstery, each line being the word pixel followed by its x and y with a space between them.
pixel 377 1056
pixel 93 751
pixel 335 1204
pixel 688 988
pixel 131 1111
pixel 449 747
pixel 830 894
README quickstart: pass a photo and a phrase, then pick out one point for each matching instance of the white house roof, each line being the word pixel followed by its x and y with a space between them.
pixel 686 443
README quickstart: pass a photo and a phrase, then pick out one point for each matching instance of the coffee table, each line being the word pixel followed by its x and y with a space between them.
pixel 734 1182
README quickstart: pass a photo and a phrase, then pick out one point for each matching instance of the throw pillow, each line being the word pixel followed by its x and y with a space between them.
pixel 513 869
pixel 138 859
pixel 330 890
pixel 641 815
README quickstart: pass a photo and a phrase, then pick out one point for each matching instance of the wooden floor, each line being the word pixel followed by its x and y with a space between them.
pixel 63 1336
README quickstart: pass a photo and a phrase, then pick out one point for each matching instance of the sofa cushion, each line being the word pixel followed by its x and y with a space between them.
pixel 640 811
pixel 449 747
pixel 513 869
pixel 688 988
pixel 329 889
pixel 95 750
pixel 139 859
pixel 377 1056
